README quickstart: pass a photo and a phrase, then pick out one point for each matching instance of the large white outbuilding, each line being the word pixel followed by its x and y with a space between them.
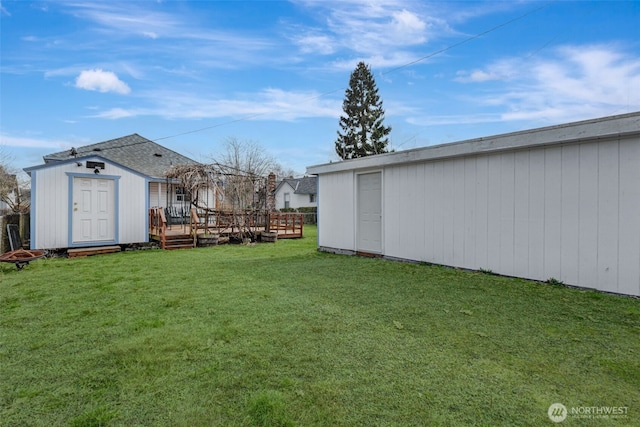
pixel 559 202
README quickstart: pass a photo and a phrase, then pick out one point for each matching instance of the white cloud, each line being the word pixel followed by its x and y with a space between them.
pixel 408 26
pixel 150 34
pixel 268 104
pixel 573 83
pixel 316 44
pixel 29 142
pixel 131 19
pixel 384 30
pixel 102 81
pixel 117 113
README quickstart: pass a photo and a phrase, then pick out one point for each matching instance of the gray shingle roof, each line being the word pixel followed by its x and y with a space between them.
pixel 305 185
pixel 133 151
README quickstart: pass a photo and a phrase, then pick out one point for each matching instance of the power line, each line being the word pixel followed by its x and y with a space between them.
pixel 252 116
pixel 467 40
pixel 431 55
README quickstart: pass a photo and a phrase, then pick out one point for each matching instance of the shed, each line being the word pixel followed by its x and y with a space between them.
pixel 100 194
pixel 558 202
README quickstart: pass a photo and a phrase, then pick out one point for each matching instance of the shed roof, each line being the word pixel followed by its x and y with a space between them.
pixel 133 151
pixel 587 130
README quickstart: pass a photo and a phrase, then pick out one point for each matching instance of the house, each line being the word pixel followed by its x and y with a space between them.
pixel 558 202
pixel 296 193
pixel 100 194
pixel 8 191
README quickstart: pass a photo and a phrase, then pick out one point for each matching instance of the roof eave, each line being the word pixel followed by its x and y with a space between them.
pixel 589 130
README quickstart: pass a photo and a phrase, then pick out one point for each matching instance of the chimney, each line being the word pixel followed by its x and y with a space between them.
pixel 271 192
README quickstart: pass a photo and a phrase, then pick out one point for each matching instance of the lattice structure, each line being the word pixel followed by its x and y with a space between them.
pixel 240 198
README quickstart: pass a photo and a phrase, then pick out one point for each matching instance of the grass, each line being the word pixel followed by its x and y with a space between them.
pixel 282 335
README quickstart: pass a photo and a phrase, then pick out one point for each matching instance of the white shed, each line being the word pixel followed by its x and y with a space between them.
pixel 100 194
pixel 559 202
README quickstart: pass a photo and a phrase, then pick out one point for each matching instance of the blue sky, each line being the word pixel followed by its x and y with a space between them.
pixel 191 74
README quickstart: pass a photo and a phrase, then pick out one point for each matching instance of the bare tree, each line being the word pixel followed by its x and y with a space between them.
pixel 282 172
pixel 247 157
pixel 13 191
pixel 246 165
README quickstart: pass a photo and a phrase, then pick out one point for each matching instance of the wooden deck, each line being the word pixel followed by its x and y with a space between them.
pixel 177 236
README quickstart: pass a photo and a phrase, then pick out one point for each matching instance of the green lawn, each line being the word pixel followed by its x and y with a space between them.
pixel 282 335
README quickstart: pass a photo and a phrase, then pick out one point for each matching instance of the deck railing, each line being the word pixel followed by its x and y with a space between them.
pixel 213 221
pixel 286 224
pixel 158 225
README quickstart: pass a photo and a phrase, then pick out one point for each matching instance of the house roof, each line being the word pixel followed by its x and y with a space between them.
pixel 304 185
pixel 595 129
pixel 133 151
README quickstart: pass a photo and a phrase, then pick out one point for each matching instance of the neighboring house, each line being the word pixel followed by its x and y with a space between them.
pixel 8 191
pixel 559 202
pixel 296 193
pixel 4 208
pixel 100 194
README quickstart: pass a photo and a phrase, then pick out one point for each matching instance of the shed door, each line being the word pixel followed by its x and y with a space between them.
pixel 93 210
pixel 370 212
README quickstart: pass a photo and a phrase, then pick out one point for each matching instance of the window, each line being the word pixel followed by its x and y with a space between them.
pixel 287 200
pixel 182 195
pixel 312 198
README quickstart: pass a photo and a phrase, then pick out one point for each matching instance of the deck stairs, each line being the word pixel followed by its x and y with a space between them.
pixel 178 241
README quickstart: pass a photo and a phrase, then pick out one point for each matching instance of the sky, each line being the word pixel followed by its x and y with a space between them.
pixel 192 74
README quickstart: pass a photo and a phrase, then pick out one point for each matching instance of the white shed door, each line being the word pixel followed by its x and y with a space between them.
pixel 93 210
pixel 370 212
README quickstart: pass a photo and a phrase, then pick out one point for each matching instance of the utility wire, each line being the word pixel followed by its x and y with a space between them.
pixel 408 64
pixel 249 117
pixel 467 40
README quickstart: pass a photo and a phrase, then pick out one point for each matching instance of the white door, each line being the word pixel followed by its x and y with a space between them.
pixel 370 212
pixel 93 210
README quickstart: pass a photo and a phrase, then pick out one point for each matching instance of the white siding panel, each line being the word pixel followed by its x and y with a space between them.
pixel 412 216
pixel 52 208
pixel 521 213
pixel 392 212
pixel 429 212
pixel 507 191
pixel 458 196
pixel 469 249
pixel 482 212
pixel 420 213
pixel 608 215
pixel 570 208
pixel 629 223
pixel 536 215
pixel 493 213
pixel 437 204
pixel 588 199
pixel 552 212
pixel 336 211
pixel 405 223
pixel 133 207
pixel 448 205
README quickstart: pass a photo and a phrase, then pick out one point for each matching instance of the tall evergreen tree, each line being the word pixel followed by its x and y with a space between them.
pixel 362 130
